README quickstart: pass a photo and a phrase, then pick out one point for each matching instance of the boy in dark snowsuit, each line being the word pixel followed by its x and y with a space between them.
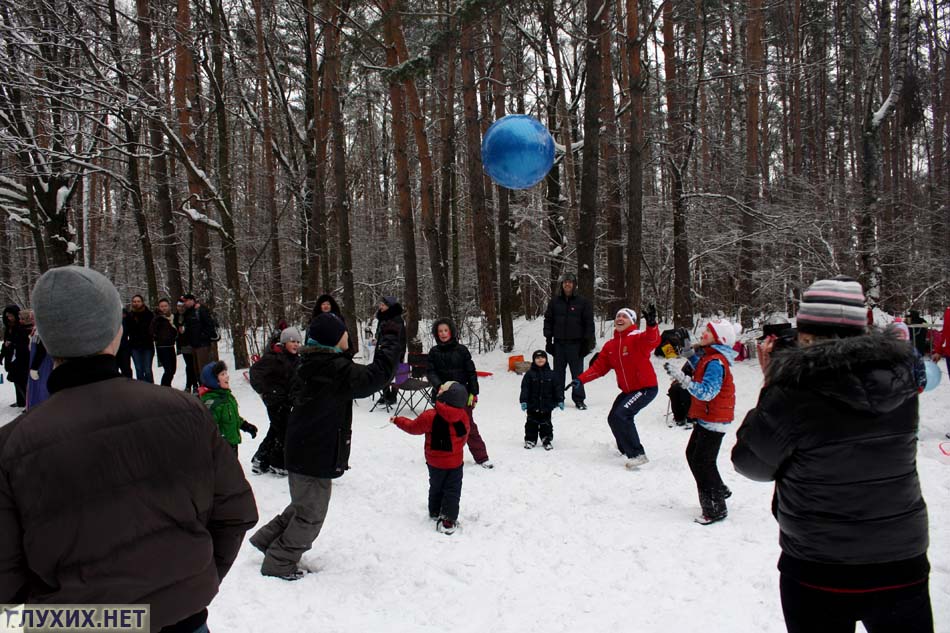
pixel 540 394
pixel 713 408
pixel 271 377
pixel 450 360
pixel 215 392
pixel 445 427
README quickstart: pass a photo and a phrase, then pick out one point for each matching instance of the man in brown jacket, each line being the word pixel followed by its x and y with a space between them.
pixel 114 491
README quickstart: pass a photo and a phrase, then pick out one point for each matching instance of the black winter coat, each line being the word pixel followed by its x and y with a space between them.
pixel 451 361
pixel 394 314
pixel 10 332
pixel 163 331
pixel 137 326
pixel 199 328
pixel 272 376
pixel 139 501
pixel 836 429
pixel 320 425
pixel 570 319
pixel 538 389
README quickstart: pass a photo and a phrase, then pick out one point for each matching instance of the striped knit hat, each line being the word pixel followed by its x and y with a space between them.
pixel 833 307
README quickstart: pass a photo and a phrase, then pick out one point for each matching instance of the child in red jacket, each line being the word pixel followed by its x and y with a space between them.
pixel 628 354
pixel 713 406
pixel 446 429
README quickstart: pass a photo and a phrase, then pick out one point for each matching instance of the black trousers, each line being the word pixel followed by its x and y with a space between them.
pixel 191 378
pixel 445 491
pixel 271 450
pixel 567 354
pixel 680 400
pixel 538 423
pixel 701 453
pixel 169 363
pixel 902 610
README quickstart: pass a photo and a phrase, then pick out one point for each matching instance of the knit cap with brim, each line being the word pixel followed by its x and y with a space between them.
pixel 539 353
pixel 78 311
pixel 327 329
pixel 453 394
pixel 833 307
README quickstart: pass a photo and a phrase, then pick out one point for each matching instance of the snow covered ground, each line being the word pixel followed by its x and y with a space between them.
pixel 566 540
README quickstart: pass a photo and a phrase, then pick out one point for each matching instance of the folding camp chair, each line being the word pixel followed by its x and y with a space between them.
pixel 403 372
pixel 415 391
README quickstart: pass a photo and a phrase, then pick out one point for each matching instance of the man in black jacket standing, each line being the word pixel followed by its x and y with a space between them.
pixel 198 328
pixel 836 429
pixel 318 436
pixel 569 332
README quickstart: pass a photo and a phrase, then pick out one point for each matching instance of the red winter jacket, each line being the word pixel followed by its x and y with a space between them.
pixel 722 408
pixel 944 348
pixel 446 429
pixel 628 354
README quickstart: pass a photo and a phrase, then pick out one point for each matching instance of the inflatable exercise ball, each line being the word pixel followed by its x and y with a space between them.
pixel 933 374
pixel 517 151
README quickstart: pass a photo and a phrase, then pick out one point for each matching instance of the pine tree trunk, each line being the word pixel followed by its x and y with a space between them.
pixel 236 318
pixel 159 168
pixel 747 260
pixel 403 193
pixel 430 231
pixel 616 281
pixel 334 73
pixel 484 231
pixel 634 157
pixel 597 12
pixel 505 282
pixel 185 101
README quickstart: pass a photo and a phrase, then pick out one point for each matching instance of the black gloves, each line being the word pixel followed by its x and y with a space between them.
pixel 650 315
pixel 549 346
pixel 249 428
pixel 390 328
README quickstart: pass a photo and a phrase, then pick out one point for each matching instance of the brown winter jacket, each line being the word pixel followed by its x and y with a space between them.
pixel 118 491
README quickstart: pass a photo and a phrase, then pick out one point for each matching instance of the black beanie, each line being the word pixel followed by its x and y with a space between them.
pixel 327 329
pixel 539 353
pixel 454 394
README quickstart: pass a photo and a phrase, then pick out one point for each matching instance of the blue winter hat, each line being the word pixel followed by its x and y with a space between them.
pixel 453 394
pixel 327 329
pixel 209 374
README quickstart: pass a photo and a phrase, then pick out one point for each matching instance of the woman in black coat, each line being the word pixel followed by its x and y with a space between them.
pixel 16 352
pixel 450 360
pixel 836 428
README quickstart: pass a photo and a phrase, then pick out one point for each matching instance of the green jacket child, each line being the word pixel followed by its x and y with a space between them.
pixel 216 393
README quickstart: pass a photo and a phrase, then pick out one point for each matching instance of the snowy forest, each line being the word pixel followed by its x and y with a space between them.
pixel 713 156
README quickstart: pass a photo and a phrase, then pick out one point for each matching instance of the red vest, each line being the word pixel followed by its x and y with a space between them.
pixel 722 408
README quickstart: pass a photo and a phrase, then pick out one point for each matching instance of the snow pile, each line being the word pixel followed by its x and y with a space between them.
pixel 566 540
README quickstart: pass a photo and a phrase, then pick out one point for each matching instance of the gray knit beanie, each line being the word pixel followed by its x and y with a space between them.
pixel 291 334
pixel 78 311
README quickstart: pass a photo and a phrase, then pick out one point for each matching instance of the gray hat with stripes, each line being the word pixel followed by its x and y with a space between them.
pixel 833 307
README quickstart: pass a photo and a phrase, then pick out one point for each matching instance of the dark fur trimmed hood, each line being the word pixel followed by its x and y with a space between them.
pixel 871 373
pixel 435 329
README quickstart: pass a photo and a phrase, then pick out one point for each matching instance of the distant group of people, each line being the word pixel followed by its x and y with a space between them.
pixel 189 331
pixel 835 427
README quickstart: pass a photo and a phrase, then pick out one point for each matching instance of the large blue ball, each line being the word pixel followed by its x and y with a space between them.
pixel 517 151
pixel 933 374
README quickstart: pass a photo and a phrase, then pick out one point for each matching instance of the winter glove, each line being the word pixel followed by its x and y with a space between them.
pixel 677 375
pixel 390 327
pixel 249 428
pixel 549 346
pixel 472 401
pixel 524 406
pixel 650 315
pixel 560 405
pixel 574 384
pixel 34 374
